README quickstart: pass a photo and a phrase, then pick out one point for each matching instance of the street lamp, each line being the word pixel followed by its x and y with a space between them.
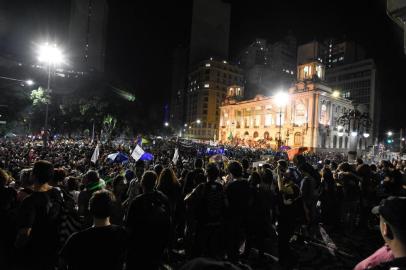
pixel 52 56
pixel 281 99
pixel 27 82
pixel 355 124
pixel 336 94
pixel 198 121
pixel 390 133
pixel 166 124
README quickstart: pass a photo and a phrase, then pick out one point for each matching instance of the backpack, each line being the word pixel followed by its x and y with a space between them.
pixel 211 206
pixel 157 211
pixel 69 222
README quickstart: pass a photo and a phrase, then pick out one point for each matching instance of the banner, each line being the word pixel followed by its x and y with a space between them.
pixel 175 156
pixel 96 154
pixel 137 153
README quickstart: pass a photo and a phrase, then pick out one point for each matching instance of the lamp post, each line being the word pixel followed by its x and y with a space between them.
pixel 356 125
pixel 51 55
pixel 281 99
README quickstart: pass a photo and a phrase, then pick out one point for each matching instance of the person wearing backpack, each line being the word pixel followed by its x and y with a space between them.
pixel 148 224
pixel 208 203
pixel 39 218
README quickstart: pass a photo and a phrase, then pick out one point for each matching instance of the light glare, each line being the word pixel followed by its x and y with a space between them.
pixel 50 54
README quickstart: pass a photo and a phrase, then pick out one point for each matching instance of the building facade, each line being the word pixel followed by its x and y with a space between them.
pixel 87 34
pixel 178 88
pixel 207 88
pixel 357 82
pixel 268 66
pixel 308 120
pixel 210 30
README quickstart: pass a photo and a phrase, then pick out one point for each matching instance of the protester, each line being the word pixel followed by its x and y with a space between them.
pixel 148 224
pixel 208 203
pixel 227 211
pixel 101 246
pixel 392 224
pixel 38 220
pixel 240 199
pixel 92 183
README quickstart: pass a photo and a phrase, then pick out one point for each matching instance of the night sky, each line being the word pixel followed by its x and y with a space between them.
pixel 142 36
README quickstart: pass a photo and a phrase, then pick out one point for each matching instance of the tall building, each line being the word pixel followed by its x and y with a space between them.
pixel 210 30
pixel 357 82
pixel 268 66
pixel 178 87
pixel 349 72
pixel 310 51
pixel 87 34
pixel 341 52
pixel 307 120
pixel 396 10
pixel 207 87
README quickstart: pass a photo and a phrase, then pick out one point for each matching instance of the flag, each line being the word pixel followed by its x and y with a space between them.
pixel 175 156
pixel 139 140
pixel 137 153
pixel 95 155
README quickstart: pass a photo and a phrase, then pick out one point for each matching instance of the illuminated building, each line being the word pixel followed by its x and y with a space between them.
pixel 267 65
pixel 308 119
pixel 207 87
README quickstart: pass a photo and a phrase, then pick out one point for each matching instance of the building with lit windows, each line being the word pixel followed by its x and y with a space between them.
pixel 268 65
pixel 357 82
pixel 87 34
pixel 308 119
pixel 207 87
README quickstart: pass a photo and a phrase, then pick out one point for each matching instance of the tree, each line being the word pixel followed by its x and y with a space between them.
pixel 109 123
pixel 40 97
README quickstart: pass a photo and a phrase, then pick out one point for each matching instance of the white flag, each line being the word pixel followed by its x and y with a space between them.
pixel 175 156
pixel 137 153
pixel 95 155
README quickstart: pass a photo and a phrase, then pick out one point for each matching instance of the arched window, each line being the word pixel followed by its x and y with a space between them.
pixel 256 134
pixel 266 135
pixel 297 139
pixel 335 142
pixel 346 142
pixel 246 133
pixel 340 142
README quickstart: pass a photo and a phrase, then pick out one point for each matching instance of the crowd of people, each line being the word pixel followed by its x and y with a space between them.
pixel 61 211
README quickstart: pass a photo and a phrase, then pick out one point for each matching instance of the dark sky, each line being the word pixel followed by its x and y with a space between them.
pixel 142 35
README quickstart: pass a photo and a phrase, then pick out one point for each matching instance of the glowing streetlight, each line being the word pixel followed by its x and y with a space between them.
pixel 336 94
pixel 166 124
pixel 52 56
pixel 390 133
pixel 366 135
pixel 185 125
pixel 29 82
pixel 198 121
pixel 281 99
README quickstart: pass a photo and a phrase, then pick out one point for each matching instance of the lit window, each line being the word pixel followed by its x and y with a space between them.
pixel 206 85
pixel 207 64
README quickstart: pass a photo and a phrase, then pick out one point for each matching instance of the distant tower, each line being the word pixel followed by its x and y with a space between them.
pixel 87 34
pixel 210 30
